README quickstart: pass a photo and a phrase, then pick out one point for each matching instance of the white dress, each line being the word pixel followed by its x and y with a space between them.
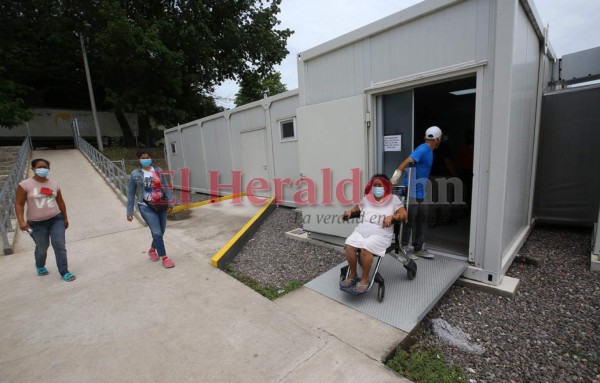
pixel 370 233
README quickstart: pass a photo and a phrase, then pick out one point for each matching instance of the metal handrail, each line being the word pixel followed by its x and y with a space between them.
pixel 115 176
pixel 7 195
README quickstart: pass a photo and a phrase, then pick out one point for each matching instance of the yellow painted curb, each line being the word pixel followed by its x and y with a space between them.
pixel 207 202
pixel 217 257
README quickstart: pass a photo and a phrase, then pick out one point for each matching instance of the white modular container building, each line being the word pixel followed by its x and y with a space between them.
pixel 257 141
pixel 475 68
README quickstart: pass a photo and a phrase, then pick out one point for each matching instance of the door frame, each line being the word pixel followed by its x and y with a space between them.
pixel 259 193
pixel 479 187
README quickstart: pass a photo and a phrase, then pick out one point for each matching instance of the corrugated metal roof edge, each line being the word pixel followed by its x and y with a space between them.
pixel 536 22
pixel 265 102
pixel 409 14
pixel 402 17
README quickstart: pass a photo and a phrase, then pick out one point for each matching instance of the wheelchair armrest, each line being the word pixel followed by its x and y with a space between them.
pixel 353 215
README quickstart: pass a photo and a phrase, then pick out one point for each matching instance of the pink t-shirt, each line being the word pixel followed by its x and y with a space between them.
pixel 41 199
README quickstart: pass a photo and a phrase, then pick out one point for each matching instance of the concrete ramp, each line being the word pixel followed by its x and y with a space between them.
pixel 92 206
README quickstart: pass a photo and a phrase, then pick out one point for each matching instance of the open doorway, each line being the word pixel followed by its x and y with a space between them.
pixel 404 117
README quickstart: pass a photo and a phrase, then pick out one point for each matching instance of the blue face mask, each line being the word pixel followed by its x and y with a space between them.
pixel 41 172
pixel 378 191
pixel 146 162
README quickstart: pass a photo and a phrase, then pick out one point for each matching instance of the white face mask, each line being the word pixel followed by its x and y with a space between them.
pixel 41 172
pixel 378 191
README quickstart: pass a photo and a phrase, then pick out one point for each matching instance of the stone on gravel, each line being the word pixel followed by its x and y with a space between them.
pixel 455 336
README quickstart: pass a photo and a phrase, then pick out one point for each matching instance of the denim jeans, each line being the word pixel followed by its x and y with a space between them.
pixel 417 223
pixel 157 222
pixel 43 232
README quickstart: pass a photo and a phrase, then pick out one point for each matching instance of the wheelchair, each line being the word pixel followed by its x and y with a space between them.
pixel 395 250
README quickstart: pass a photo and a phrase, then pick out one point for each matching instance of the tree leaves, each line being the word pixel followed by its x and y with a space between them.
pixel 253 87
pixel 157 57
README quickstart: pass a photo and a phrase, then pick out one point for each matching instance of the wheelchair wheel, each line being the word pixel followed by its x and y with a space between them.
pixel 411 269
pixel 380 292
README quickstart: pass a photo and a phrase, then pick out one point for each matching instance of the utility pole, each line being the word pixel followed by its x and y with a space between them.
pixel 91 90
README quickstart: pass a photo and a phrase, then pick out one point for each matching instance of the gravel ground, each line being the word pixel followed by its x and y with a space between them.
pixel 550 332
pixel 272 258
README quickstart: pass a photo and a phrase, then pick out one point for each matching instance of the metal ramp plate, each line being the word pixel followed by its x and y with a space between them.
pixel 406 302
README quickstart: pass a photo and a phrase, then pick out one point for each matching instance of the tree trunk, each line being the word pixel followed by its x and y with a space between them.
pixel 144 132
pixel 128 138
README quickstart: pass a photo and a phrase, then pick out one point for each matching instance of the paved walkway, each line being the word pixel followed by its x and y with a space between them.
pixel 127 319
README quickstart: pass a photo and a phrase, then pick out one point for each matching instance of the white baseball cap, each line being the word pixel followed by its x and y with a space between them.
pixel 433 132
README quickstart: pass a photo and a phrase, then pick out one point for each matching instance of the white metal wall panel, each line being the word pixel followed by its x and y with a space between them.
pixel 175 160
pixel 247 119
pixel 454 35
pixel 333 136
pixel 521 129
pixel 493 150
pixel 332 76
pixel 485 24
pixel 193 152
pixel 254 155
pixel 216 143
pixel 380 56
pixel 439 40
pixel 285 154
pixel 244 120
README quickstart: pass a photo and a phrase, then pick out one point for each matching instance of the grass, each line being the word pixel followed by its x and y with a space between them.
pixel 425 366
pixel 266 291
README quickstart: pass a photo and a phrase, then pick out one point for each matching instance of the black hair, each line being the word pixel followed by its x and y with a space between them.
pixel 35 162
pixel 141 152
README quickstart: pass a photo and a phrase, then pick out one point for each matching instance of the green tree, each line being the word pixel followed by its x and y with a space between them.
pixel 253 87
pixel 12 107
pixel 159 58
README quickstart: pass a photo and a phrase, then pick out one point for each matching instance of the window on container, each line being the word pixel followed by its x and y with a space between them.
pixel 287 129
pixel 173 147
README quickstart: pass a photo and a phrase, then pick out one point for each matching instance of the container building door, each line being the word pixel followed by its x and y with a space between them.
pixel 254 155
pixel 395 137
pixel 332 140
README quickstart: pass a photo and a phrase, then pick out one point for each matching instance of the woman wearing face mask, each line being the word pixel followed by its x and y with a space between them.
pixel 149 187
pixel 374 234
pixel 46 217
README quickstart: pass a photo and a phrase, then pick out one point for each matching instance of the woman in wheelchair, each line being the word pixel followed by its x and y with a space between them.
pixel 374 233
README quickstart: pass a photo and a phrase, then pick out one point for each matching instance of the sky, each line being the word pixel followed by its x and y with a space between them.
pixel 573 26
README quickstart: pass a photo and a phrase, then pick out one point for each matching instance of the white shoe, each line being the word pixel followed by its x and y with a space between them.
pixel 423 253
pixel 409 252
